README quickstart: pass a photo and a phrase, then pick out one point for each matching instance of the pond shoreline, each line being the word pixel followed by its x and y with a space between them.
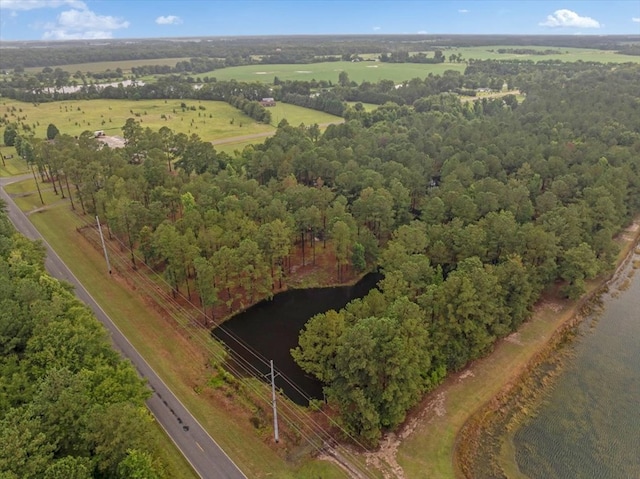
pixel 519 398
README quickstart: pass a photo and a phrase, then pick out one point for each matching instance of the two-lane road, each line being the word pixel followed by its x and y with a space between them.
pixel 202 452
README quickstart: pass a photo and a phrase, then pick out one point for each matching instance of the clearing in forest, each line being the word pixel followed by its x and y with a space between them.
pixel 211 120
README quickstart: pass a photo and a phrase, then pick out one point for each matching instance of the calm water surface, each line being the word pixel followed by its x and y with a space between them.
pixel 590 425
pixel 270 329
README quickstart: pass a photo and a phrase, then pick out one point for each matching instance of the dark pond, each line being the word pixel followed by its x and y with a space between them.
pixel 270 329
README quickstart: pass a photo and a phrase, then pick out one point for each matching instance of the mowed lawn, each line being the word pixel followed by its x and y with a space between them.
pixel 11 164
pixel 329 71
pixel 211 120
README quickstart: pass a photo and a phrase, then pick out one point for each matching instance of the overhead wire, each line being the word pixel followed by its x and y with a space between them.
pixel 240 367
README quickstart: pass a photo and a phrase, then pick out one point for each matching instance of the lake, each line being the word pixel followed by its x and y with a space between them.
pixel 270 329
pixel 589 426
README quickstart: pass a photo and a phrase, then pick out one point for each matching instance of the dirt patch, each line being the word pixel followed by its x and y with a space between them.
pixel 466 374
pixel 514 338
pixel 384 459
pixel 113 141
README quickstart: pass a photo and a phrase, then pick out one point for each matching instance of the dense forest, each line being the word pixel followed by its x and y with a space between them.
pixel 471 209
pixel 70 406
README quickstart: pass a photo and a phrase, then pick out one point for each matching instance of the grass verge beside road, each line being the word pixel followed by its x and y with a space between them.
pixel 181 357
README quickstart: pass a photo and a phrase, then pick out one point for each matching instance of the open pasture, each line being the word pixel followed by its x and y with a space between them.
pixel 567 54
pixel 358 71
pixel 125 65
pixel 211 120
pixel 374 71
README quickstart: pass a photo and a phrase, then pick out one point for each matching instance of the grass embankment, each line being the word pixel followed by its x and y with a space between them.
pixel 433 431
pixel 181 357
pixel 211 120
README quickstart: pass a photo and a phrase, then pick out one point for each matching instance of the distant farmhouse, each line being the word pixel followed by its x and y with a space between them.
pixel 268 102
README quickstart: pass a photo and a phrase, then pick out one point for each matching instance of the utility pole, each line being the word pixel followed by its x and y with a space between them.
pixel 104 247
pixel 275 408
pixel 37 184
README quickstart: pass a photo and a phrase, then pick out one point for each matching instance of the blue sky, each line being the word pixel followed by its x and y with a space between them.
pixel 71 19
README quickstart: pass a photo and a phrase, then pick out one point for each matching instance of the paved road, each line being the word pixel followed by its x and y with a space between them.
pixel 206 457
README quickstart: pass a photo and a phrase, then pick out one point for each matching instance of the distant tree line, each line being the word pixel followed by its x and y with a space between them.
pixel 193 65
pixel 529 51
pixel 251 108
pixel 328 102
pixel 281 49
pixel 406 57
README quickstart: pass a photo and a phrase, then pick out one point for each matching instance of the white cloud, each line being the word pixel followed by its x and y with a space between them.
pixel 35 4
pixel 568 18
pixel 636 19
pixel 169 20
pixel 375 29
pixel 463 10
pixel 83 24
pixel 422 32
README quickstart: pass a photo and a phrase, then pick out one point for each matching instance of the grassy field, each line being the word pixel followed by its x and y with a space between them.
pixel 398 72
pixel 181 357
pixel 12 166
pixel 567 55
pixel 217 119
pixel 125 65
pixel 329 71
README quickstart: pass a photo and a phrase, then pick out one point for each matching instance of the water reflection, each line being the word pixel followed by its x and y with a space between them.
pixel 590 425
pixel 270 329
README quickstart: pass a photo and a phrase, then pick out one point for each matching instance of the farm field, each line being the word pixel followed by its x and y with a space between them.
pixel 125 65
pixel 329 71
pixel 374 71
pixel 217 120
pixel 568 55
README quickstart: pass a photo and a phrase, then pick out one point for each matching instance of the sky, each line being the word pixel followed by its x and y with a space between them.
pixel 96 19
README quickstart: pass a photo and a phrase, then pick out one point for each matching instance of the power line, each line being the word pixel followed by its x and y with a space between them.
pixel 297 419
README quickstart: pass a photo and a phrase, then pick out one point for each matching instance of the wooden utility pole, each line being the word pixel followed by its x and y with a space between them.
pixel 104 247
pixel 275 407
pixel 37 184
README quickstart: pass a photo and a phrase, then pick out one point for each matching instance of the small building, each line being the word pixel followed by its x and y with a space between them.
pixel 268 102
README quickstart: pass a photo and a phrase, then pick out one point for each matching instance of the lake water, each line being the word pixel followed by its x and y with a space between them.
pixel 590 425
pixel 270 329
